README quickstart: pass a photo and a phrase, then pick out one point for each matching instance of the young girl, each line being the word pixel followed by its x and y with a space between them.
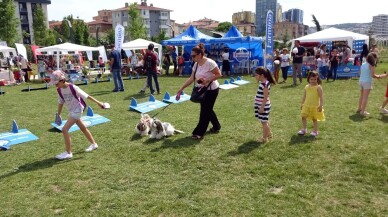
pixel 312 103
pixel 66 95
pixel 383 110
pixel 367 72
pixel 262 102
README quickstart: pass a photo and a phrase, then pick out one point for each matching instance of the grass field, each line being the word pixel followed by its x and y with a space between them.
pixel 343 172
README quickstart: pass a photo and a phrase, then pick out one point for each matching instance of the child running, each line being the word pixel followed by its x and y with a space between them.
pixel 262 102
pixel 312 103
pixel 72 96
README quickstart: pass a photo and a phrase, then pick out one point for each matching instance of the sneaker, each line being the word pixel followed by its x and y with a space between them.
pixel 302 132
pixel 314 133
pixel 64 156
pixel 91 147
pixel 364 113
pixel 383 110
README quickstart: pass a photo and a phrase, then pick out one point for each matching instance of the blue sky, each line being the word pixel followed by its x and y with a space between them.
pixel 326 11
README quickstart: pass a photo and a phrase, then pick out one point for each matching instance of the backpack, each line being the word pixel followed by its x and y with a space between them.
pixel 149 63
pixel 74 94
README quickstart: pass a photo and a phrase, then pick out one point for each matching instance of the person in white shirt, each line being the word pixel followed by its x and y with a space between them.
pixel 225 62
pixel 285 64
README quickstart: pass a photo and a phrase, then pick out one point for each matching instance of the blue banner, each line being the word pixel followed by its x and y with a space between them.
pixel 269 46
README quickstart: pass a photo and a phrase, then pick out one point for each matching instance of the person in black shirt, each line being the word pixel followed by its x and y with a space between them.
pixel 297 61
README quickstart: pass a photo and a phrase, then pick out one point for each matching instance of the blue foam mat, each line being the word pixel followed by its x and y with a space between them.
pixel 145 107
pixel 15 137
pixel 171 99
pixel 88 121
pixel 238 81
pixel 227 85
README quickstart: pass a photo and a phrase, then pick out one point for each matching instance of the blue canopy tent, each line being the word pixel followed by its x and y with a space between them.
pixel 233 32
pixel 189 37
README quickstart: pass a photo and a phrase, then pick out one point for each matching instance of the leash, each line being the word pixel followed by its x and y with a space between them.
pixel 161 110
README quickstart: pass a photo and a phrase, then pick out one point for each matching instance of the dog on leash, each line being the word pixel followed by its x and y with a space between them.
pixel 160 129
pixel 144 125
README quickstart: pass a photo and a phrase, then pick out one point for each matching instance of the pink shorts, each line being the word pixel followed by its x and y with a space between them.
pixel 386 93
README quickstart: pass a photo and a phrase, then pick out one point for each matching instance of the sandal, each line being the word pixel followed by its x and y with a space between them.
pixel 212 130
pixel 196 137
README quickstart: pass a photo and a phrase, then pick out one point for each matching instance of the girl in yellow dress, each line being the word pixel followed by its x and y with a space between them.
pixel 312 103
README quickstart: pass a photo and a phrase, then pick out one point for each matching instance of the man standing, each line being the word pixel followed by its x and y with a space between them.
pixel 174 59
pixel 115 67
pixel 297 61
pixel 150 62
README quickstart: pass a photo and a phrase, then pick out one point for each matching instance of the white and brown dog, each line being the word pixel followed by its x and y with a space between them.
pixel 144 126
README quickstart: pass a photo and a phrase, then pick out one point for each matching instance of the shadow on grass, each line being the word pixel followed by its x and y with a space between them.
pixel 138 96
pixel 99 93
pixel 384 118
pixel 286 86
pixel 54 130
pixel 357 117
pixel 135 137
pixel 246 148
pixel 37 165
pixel 184 142
pixel 297 139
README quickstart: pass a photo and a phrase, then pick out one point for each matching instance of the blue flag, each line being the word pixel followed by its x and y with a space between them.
pixel 269 46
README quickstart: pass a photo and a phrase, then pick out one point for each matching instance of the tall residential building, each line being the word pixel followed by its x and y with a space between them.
pixel 279 13
pixel 293 15
pixel 155 19
pixel 262 7
pixel 101 23
pixel 24 11
pixel 380 25
pixel 243 17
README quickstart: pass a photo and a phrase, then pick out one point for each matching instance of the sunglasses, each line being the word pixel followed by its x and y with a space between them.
pixel 192 56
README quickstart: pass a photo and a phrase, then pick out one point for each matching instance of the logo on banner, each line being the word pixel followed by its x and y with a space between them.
pixel 241 54
pixel 347 69
pixel 269 40
pixel 119 37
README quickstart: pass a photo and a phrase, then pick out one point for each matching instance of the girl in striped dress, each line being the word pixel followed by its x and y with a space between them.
pixel 262 102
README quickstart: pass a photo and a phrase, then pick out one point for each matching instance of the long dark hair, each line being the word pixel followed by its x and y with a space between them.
pixel 267 74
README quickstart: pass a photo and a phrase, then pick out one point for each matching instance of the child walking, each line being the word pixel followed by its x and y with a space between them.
pixel 72 96
pixel 367 72
pixel 312 104
pixel 262 102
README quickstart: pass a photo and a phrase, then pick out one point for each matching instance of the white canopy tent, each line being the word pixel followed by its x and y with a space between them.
pixel 6 50
pixel 139 44
pixel 66 47
pixel 333 34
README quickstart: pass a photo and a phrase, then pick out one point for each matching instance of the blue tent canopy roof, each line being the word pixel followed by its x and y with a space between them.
pixel 233 32
pixel 190 36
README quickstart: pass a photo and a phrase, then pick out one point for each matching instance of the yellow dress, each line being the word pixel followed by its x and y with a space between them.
pixel 311 103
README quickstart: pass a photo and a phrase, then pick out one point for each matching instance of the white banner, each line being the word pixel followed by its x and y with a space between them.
pixel 21 50
pixel 90 55
pixel 119 37
pixel 101 49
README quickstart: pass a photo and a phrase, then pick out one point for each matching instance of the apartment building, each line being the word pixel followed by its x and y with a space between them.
pixel 155 19
pixel 24 11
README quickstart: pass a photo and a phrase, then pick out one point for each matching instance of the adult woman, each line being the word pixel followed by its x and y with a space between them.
pixel 205 73
pixel 276 65
pixel 285 65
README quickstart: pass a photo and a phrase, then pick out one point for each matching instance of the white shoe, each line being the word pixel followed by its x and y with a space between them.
pixel 91 147
pixel 64 156
pixel 383 110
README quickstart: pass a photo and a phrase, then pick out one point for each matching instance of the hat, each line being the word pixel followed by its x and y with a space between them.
pixel 151 46
pixel 56 76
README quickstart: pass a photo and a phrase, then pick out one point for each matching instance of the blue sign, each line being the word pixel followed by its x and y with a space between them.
pixel 269 46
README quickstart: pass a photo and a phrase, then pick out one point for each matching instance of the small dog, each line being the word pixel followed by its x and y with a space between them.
pixel 143 127
pixel 161 129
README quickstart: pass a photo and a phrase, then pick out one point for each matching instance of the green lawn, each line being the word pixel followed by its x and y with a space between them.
pixel 343 172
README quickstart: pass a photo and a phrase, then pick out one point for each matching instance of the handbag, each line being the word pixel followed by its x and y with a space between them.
pixel 198 93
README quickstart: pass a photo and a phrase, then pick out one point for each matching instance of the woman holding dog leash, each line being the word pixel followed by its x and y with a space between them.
pixel 205 73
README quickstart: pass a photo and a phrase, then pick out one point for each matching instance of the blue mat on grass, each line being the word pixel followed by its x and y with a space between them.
pixel 171 99
pixel 238 81
pixel 227 85
pixel 145 107
pixel 16 136
pixel 90 119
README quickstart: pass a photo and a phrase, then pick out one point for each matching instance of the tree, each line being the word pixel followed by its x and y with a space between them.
pixel 159 38
pixel 40 28
pixel 223 27
pixel 8 22
pixel 109 38
pixel 135 28
pixel 81 32
pixel 315 21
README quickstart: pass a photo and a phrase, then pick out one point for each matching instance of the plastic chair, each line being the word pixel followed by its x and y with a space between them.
pixel 254 65
pixel 33 73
